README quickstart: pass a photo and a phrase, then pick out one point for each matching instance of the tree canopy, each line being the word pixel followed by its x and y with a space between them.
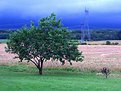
pixel 48 40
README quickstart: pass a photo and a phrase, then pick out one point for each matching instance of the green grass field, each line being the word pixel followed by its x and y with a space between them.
pixel 25 78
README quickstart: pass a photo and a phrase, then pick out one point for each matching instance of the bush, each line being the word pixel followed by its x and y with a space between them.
pixel 108 43
pixel 115 43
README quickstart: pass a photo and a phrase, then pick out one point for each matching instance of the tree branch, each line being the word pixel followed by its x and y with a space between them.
pixel 34 62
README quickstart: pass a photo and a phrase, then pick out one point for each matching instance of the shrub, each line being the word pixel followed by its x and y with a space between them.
pixel 105 71
pixel 108 43
pixel 115 43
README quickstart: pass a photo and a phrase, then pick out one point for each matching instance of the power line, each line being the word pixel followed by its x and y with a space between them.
pixel 85 26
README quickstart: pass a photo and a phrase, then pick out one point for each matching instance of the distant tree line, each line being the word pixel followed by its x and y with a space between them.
pixel 99 34
pixel 4 34
pixel 76 34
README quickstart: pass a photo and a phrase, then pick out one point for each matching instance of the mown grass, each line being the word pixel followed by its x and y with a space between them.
pixel 26 78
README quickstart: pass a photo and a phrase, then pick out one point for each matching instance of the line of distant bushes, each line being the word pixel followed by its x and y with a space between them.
pixel 111 43
pixel 96 35
pixel 4 34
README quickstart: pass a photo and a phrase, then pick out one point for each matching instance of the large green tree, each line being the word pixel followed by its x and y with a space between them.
pixel 48 40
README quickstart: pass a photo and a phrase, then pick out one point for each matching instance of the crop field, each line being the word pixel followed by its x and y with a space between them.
pixel 98 56
pixel 95 57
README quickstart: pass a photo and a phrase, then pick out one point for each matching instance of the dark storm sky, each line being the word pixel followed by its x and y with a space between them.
pixel 102 13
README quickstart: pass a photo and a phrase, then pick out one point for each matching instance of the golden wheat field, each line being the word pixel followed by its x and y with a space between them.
pixel 95 57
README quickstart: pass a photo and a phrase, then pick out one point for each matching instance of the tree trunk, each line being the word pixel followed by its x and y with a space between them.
pixel 106 76
pixel 40 71
pixel 40 66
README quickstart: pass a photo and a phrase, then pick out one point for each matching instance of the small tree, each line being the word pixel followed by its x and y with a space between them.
pixel 105 71
pixel 47 41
